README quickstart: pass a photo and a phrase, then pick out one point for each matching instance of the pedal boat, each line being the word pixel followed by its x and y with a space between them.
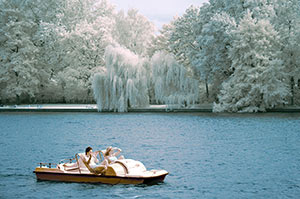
pixel 125 171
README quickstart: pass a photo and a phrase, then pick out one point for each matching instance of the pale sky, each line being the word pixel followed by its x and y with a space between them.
pixel 158 11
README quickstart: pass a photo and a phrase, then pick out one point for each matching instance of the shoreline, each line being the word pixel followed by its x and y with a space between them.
pixel 93 108
pixel 150 108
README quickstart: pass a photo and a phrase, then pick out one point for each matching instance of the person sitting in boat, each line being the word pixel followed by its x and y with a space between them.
pixel 111 154
pixel 91 162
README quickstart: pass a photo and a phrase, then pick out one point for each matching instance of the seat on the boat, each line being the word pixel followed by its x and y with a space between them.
pixel 83 164
pixel 69 166
pixel 132 166
pixel 81 160
pixel 125 167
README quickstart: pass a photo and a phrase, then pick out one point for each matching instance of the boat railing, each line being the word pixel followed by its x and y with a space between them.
pixel 64 163
pixel 49 165
pixel 68 160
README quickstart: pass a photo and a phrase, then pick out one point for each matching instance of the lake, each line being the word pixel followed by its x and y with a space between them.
pixel 207 155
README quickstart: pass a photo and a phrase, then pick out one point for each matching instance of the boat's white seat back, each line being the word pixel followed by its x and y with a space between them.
pixel 80 160
pixel 133 166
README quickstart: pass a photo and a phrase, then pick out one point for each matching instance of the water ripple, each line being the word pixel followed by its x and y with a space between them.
pixel 207 155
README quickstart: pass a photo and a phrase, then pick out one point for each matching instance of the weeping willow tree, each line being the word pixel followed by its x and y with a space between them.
pixel 122 83
pixel 172 84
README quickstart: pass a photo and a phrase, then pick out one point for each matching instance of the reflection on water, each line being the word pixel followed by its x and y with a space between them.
pixel 207 155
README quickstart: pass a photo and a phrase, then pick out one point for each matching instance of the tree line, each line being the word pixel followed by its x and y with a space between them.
pixel 238 55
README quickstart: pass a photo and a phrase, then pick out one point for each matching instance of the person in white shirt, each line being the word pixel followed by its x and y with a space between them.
pixel 91 161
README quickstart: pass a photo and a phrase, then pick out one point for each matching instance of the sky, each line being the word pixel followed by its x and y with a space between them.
pixel 158 11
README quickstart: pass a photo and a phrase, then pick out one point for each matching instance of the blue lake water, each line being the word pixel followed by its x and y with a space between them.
pixel 207 155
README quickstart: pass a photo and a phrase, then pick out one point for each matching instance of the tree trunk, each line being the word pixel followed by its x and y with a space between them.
pixel 128 103
pixel 18 99
pixel 292 90
pixel 206 87
pixel 88 96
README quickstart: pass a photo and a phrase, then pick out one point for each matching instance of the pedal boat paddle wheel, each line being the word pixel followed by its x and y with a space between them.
pixel 125 171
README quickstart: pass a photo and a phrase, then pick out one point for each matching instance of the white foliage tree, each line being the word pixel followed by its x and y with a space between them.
pixel 258 81
pixel 287 23
pixel 134 31
pixel 48 38
pixel 161 42
pixel 212 60
pixel 171 82
pixel 83 51
pixel 19 75
pixel 183 37
pixel 75 49
pixel 123 82
pixel 73 12
pixel 261 9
